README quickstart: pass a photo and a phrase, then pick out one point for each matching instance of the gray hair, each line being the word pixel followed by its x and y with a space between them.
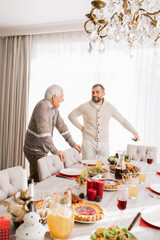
pixel 53 90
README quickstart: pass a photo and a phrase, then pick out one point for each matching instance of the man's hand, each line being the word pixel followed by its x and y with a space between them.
pixel 136 137
pixel 61 155
pixel 78 147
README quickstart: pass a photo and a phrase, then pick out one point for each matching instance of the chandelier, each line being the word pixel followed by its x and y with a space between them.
pixel 136 21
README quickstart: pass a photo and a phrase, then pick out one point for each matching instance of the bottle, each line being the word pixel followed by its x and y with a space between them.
pixel 31 205
pixel 120 166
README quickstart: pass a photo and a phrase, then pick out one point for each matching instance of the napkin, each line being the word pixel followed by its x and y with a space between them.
pixel 158 173
pixel 66 176
pixel 152 190
pixel 145 224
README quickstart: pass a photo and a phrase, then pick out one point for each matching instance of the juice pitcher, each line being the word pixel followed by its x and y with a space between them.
pixel 60 217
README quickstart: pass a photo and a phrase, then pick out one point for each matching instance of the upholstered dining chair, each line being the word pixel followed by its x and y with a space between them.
pixel 139 152
pixel 10 182
pixel 50 165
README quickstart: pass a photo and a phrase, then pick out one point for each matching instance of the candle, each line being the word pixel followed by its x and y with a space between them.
pixel 99 188
pixel 24 180
pixel 92 193
pixel 90 184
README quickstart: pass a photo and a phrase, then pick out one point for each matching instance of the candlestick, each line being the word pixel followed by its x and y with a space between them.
pixel 24 180
pixel 92 193
pixel 90 184
pixel 99 188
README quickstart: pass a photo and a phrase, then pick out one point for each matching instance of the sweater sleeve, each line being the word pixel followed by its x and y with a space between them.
pixel 63 130
pixel 41 118
pixel 74 115
pixel 122 120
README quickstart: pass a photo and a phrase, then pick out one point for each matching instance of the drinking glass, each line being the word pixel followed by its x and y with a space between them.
pixel 149 157
pixel 149 160
pixel 142 173
pixel 122 198
pixel 133 187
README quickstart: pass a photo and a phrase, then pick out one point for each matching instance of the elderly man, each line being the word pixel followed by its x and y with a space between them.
pixel 96 115
pixel 38 139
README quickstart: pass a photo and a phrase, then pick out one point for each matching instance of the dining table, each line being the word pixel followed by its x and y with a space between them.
pixel 146 200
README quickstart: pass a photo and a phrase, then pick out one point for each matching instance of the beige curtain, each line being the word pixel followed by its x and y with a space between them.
pixel 14 94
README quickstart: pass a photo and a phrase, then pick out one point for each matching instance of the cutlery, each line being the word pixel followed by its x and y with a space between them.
pixel 154 196
pixel 134 221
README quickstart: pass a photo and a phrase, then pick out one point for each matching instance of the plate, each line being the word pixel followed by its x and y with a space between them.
pixel 89 162
pixel 155 187
pixel 87 221
pixel 132 236
pixel 91 221
pixel 95 174
pixel 151 216
pixel 70 171
pixel 111 190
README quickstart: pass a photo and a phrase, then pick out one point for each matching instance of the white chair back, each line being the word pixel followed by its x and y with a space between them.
pixel 139 152
pixel 48 166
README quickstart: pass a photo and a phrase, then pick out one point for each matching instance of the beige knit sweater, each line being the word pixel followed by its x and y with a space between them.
pixel 96 120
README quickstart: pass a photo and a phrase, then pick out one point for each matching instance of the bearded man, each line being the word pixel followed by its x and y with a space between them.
pixel 95 129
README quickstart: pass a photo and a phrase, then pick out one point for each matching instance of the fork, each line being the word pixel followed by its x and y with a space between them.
pixel 154 196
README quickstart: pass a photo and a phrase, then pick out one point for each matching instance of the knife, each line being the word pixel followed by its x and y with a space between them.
pixel 134 221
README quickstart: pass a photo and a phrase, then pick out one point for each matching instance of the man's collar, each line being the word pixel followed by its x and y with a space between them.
pixel 49 104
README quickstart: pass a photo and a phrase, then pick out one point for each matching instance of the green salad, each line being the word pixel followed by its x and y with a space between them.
pixel 97 170
pixel 112 233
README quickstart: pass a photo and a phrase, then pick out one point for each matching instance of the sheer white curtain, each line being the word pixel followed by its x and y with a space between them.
pixel 63 59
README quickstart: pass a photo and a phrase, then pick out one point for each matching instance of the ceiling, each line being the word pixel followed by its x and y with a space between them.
pixel 18 14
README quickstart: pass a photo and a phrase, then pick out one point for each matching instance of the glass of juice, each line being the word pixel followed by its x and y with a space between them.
pixel 142 174
pixel 133 187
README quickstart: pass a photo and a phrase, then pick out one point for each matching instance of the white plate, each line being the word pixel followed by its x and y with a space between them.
pixel 151 216
pixel 89 162
pixel 156 187
pixel 71 171
pixel 92 221
pixel 111 190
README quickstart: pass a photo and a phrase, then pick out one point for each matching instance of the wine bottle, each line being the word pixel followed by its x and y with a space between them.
pixel 31 205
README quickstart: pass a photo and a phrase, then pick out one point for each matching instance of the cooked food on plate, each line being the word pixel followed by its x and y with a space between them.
pixel 114 159
pixel 111 184
pixel 88 212
pixel 112 233
pixel 131 169
pixel 97 170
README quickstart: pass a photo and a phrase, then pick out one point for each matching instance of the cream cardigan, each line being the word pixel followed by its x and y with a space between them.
pixel 96 120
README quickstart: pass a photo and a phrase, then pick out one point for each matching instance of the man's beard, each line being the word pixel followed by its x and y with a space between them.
pixel 96 99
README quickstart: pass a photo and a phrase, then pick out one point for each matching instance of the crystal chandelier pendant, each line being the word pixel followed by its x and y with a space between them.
pixel 133 20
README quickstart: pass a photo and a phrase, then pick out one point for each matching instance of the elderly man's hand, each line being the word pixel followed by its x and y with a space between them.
pixel 78 147
pixel 61 155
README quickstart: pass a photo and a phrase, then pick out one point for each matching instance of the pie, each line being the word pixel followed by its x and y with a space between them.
pixel 112 184
pixel 88 212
